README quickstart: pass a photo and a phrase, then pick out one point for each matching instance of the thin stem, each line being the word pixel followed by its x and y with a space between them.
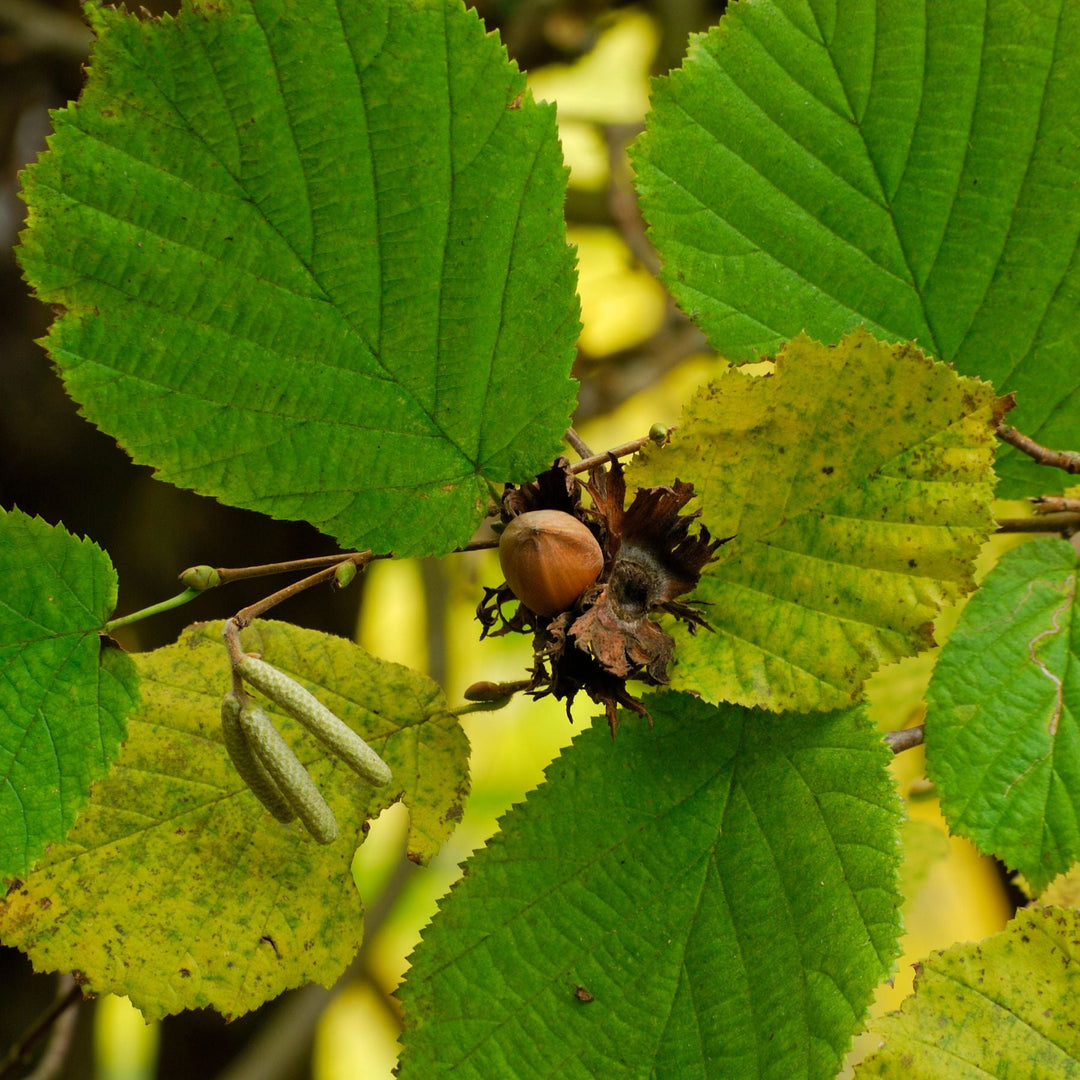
pixel 622 199
pixel 16 1057
pixel 1053 504
pixel 241 573
pixel 1063 522
pixel 1067 460
pixel 55 1055
pixel 578 443
pixel 154 609
pixel 905 738
pixel 477 545
pixel 619 451
pixel 245 615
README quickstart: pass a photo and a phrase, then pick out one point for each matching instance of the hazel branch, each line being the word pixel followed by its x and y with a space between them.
pixel 1067 460
pixel 1066 521
pixel 905 738
pixel 359 559
pixel 578 443
pixel 658 435
pixel 15 1060
pixel 222 575
pixel 1053 504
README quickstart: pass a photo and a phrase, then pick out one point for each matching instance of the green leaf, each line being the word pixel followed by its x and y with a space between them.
pixel 911 167
pixel 720 887
pixel 177 889
pixel 313 261
pixel 855 516
pixel 65 692
pixel 1003 1007
pixel 1002 714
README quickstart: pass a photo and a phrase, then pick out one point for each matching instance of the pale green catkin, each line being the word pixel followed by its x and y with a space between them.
pixel 289 775
pixel 249 768
pixel 333 733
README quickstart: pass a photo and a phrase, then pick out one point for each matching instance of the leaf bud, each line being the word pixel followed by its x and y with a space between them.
pixel 201 577
pixel 344 574
pixel 549 558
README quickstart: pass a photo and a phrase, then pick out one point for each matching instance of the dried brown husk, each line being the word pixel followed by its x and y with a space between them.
pixel 609 635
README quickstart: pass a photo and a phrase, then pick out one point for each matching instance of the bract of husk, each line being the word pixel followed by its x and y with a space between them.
pixel 608 635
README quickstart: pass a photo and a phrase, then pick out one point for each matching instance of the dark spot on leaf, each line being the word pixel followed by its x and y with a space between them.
pixel 582 994
pixel 184 973
pixel 828 470
pixel 44 903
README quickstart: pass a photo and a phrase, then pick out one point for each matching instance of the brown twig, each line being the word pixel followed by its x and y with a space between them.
pixel 359 559
pixel 1066 522
pixel 609 380
pixel 578 443
pixel 1067 460
pixel 1053 504
pixel 242 573
pixel 625 450
pixel 18 1055
pixel 622 199
pixel 905 738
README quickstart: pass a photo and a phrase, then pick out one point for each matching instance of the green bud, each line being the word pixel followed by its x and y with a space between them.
pixel 200 577
pixel 659 434
pixel 344 574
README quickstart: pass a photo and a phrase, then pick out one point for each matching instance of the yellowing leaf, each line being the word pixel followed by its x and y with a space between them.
pixel 855 482
pixel 177 889
pixel 1001 1007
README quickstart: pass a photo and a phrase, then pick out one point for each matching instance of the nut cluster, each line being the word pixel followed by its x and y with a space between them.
pixel 589 579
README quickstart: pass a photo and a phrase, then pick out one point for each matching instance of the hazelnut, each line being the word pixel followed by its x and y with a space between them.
pixel 549 558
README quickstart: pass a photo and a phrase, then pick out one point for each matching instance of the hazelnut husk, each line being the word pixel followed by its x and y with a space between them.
pixel 596 630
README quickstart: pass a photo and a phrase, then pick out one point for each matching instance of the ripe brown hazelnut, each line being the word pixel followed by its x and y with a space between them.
pixel 549 558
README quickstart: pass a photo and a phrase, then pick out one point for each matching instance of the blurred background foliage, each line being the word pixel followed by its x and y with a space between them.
pixel 639 359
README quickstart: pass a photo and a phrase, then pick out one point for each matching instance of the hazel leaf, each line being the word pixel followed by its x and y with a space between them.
pixel 177 889
pixel 711 896
pixel 856 483
pixel 1002 1007
pixel 313 261
pixel 65 692
pixel 908 167
pixel 1002 712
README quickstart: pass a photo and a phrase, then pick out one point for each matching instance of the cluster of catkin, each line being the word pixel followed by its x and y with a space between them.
pixel 266 762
